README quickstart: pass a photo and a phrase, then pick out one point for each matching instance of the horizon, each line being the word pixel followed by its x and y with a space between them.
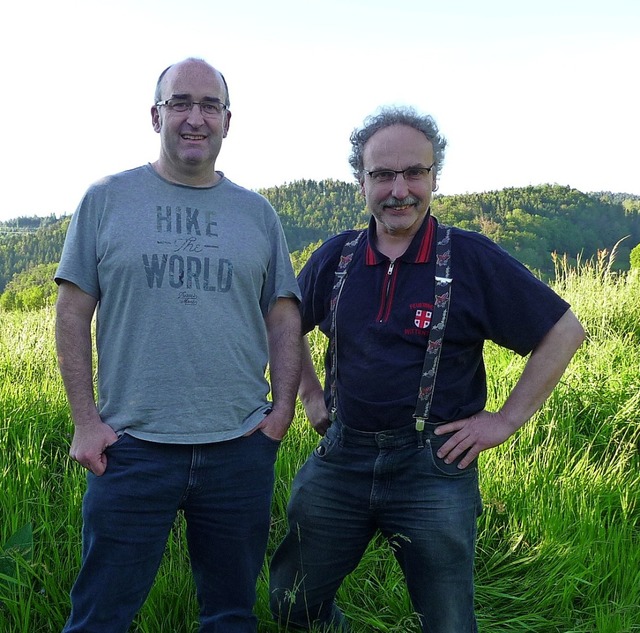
pixel 626 195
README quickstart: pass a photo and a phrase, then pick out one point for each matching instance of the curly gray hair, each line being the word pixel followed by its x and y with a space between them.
pixel 395 115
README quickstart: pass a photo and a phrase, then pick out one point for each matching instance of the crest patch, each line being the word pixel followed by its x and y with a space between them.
pixel 422 318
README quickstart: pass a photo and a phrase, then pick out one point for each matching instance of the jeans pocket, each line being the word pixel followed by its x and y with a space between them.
pixel 271 440
pixel 123 438
pixel 436 442
pixel 324 448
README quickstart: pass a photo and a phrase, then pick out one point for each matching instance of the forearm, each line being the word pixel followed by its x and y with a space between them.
pixel 284 336
pixel 541 374
pixel 311 392
pixel 74 349
pixel 310 384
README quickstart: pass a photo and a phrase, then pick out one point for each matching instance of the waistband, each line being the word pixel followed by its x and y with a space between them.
pixel 390 438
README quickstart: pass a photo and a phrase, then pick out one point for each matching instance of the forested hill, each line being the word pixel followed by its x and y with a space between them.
pixel 530 222
pixel 27 242
pixel 311 211
pixel 533 222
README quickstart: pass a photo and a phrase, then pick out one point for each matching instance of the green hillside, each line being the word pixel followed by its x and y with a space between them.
pixel 29 242
pixel 530 222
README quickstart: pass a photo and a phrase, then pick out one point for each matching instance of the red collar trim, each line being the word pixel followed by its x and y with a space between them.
pixel 419 251
pixel 426 244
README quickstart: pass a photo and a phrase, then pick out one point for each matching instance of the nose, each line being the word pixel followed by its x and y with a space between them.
pixel 195 117
pixel 400 187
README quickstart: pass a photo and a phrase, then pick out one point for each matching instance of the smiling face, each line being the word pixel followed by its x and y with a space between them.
pixel 399 206
pixel 189 142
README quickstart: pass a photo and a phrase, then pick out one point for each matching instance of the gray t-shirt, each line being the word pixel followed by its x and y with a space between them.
pixel 183 277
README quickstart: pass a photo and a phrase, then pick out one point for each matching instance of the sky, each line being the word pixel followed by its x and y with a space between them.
pixel 526 92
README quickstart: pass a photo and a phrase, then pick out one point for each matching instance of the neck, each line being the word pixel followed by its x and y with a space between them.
pixel 392 245
pixel 196 178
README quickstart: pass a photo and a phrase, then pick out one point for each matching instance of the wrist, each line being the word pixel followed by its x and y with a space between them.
pixel 281 410
pixel 311 394
pixel 513 421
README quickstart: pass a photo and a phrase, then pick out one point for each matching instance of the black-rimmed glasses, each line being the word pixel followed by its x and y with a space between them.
pixel 412 174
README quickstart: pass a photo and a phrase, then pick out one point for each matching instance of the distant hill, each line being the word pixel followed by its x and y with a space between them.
pixel 28 242
pixel 529 222
pixel 533 222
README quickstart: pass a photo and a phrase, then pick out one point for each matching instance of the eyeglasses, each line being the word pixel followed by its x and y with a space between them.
pixel 210 109
pixel 410 174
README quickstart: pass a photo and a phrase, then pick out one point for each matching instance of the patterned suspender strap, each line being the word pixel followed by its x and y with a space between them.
pixel 440 313
pixel 340 275
pixel 439 321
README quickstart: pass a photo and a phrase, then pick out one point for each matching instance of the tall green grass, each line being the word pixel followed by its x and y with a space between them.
pixel 558 542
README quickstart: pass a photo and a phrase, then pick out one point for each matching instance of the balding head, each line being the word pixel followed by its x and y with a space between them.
pixel 175 67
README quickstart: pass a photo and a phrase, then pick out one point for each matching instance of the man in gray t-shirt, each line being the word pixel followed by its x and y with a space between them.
pixel 190 278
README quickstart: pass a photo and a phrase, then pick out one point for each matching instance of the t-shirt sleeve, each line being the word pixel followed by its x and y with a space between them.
pixel 281 280
pixel 79 260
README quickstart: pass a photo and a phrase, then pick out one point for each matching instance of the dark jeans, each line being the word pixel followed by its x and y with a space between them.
pixel 355 483
pixel 224 490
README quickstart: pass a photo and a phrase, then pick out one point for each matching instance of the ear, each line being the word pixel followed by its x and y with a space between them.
pixel 227 122
pixel 434 182
pixel 155 118
pixel 362 191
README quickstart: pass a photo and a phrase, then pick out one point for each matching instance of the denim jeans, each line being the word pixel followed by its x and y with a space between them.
pixel 356 483
pixel 224 490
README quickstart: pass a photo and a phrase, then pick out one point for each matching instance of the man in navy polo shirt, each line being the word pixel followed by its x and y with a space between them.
pixel 402 413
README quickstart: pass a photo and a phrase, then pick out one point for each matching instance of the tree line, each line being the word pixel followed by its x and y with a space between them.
pixel 532 223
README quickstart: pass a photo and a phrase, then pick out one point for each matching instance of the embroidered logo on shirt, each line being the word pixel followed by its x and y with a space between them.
pixel 423 318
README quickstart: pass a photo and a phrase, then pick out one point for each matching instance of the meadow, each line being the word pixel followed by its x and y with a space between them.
pixel 558 542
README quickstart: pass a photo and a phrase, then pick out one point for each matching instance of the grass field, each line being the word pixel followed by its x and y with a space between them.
pixel 559 540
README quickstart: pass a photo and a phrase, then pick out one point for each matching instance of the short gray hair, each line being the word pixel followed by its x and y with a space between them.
pixel 395 115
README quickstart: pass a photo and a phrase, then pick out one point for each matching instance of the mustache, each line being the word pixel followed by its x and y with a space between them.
pixel 392 201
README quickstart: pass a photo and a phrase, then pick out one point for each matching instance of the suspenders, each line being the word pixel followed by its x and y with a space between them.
pixel 438 324
pixel 439 321
pixel 339 279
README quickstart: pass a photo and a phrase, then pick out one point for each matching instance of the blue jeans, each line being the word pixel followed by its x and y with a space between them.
pixel 224 490
pixel 356 483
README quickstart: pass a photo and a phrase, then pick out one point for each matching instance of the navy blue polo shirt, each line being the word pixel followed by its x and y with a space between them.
pixel 384 317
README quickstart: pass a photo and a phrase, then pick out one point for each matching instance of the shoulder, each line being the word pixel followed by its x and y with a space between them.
pixel 119 179
pixel 474 240
pixel 484 267
pixel 477 250
pixel 323 262
pixel 247 198
pixel 229 187
pixel 336 243
pixel 330 250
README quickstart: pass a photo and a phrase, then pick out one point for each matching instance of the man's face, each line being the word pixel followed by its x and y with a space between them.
pixel 190 143
pixel 398 206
